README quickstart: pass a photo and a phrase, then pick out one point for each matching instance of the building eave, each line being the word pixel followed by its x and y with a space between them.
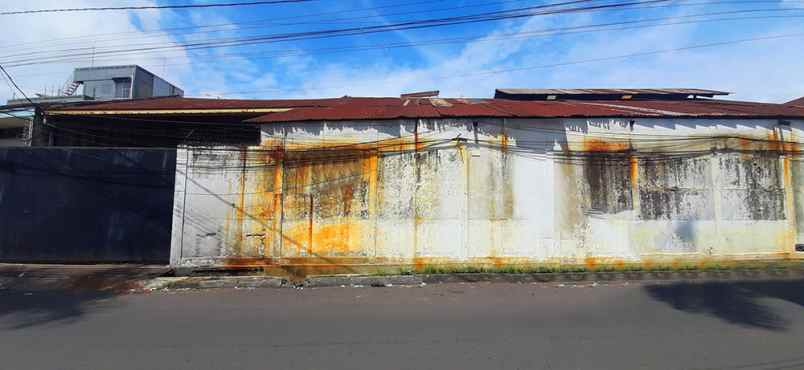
pixel 164 112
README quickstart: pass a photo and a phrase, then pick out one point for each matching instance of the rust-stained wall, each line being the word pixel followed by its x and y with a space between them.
pixel 345 195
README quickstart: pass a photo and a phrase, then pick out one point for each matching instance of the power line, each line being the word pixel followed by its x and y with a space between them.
pixel 590 28
pixel 118 8
pixel 77 57
pixel 164 31
pixel 308 34
pixel 552 65
pixel 645 53
pixel 352 31
pixel 227 26
pixel 10 79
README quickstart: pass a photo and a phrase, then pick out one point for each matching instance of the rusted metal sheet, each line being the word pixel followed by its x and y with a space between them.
pixel 701 92
pixel 597 94
pixel 366 109
pixel 797 102
pixel 179 103
pixel 339 197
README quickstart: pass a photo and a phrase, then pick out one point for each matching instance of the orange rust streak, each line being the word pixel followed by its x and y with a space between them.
pixel 634 172
pixel 311 214
pixel 241 204
pixel 599 145
pixel 745 144
pixel 277 201
pixel 786 171
pixel 773 140
pixel 419 264
pixel 337 239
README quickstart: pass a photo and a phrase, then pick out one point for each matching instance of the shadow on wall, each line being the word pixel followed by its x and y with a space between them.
pixel 739 303
pixel 30 298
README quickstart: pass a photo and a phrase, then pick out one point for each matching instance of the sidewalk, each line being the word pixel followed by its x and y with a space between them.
pixel 120 279
pixel 592 277
pixel 77 278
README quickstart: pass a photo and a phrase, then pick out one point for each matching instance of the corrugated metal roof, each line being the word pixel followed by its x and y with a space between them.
pixel 352 108
pixel 537 109
pixel 661 91
pixel 597 94
pixel 176 103
pixel 798 102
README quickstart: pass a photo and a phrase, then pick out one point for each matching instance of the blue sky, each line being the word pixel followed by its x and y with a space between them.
pixel 464 60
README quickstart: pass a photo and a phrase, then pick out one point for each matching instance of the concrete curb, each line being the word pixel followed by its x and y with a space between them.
pixel 604 276
pixel 362 281
pixel 251 282
pixel 212 282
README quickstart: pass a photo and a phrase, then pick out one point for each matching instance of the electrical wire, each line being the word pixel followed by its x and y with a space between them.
pixel 542 66
pixel 274 21
pixel 151 7
pixel 225 27
pixel 559 31
pixel 352 31
pixel 14 83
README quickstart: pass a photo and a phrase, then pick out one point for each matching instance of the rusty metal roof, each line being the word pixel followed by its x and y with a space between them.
pixel 422 108
pixel 367 108
pixel 597 94
pixel 181 103
pixel 797 102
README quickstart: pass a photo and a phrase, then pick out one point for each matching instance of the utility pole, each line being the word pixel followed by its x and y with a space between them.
pixel 40 134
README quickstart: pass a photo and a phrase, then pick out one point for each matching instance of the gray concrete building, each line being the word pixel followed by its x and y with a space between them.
pixel 107 83
pixel 122 82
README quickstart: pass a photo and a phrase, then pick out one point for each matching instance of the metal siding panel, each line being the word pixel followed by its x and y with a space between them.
pixel 86 205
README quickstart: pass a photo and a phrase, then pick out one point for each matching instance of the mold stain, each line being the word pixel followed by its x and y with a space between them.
pixel 608 180
pixel 791 231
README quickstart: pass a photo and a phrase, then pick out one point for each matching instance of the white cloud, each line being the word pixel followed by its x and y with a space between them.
pixel 762 70
pixel 60 31
pixel 768 70
pixel 196 72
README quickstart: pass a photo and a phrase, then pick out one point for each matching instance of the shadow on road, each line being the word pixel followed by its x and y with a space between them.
pixel 37 297
pixel 737 302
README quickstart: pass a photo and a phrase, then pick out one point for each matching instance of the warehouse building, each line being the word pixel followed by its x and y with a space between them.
pixel 583 176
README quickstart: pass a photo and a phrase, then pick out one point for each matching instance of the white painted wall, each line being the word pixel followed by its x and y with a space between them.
pixel 494 189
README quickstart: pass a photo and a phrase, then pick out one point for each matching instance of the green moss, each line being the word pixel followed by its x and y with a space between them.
pixel 629 267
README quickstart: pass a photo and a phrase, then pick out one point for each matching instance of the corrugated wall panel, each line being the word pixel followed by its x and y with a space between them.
pixel 76 205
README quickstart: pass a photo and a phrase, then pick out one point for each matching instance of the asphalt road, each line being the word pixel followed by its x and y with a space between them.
pixel 737 325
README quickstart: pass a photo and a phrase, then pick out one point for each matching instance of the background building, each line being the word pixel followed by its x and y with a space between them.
pixel 121 82
pixel 14 131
